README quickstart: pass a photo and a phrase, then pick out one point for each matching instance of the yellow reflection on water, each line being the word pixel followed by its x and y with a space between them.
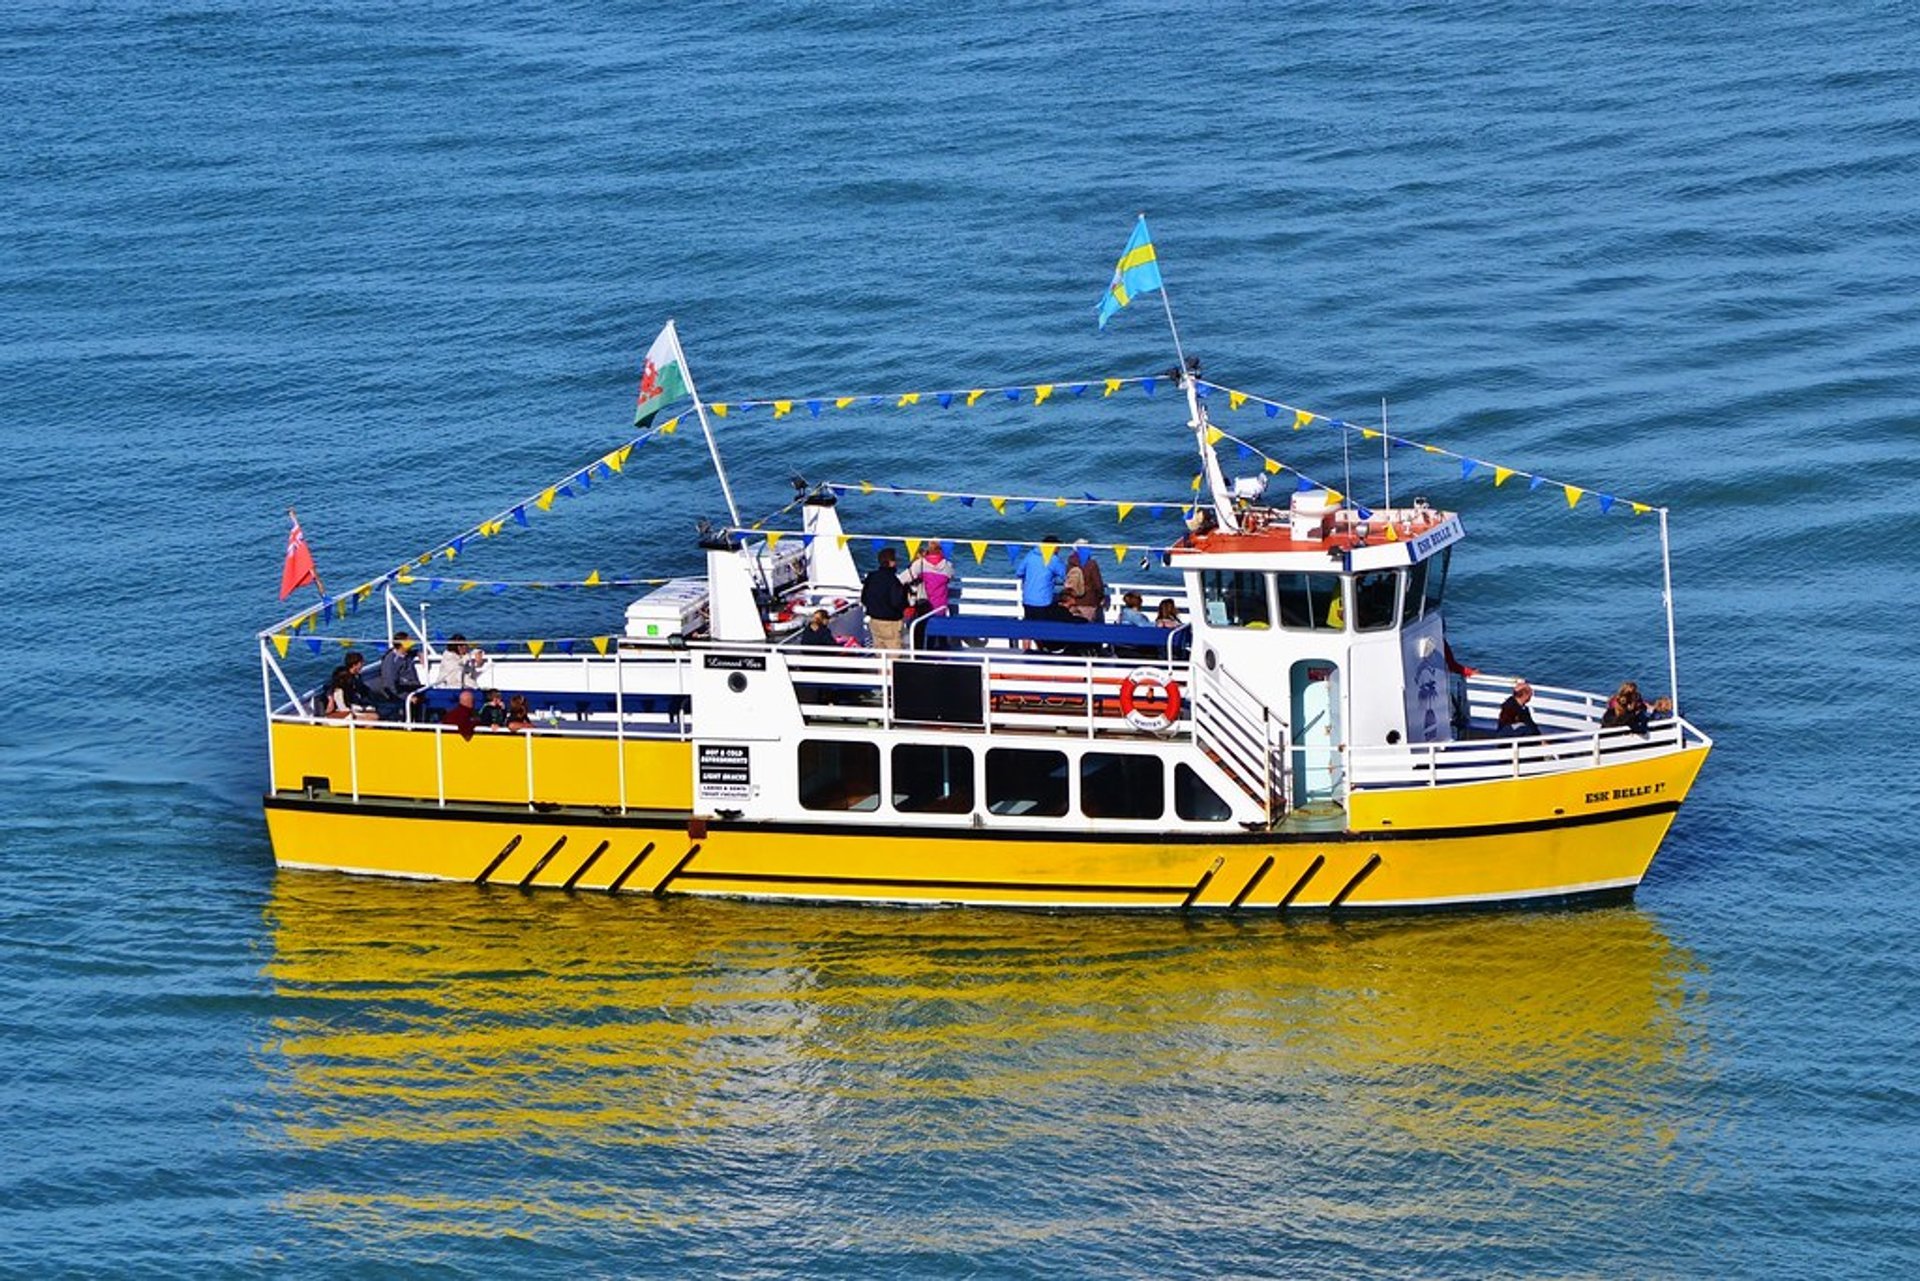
pixel 1539 1052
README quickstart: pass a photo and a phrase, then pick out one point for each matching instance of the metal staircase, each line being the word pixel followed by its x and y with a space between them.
pixel 1241 735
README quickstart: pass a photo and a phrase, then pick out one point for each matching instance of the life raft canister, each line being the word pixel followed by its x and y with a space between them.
pixel 1150 699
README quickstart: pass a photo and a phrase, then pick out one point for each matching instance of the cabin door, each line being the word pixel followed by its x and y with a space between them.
pixel 1315 688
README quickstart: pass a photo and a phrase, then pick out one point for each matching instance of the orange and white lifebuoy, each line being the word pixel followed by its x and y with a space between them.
pixel 1150 699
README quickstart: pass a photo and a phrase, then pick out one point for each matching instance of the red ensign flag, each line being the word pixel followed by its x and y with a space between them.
pixel 298 571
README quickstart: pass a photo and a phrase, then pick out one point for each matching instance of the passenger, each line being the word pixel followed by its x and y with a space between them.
pixel 1086 597
pixel 1627 709
pixel 518 717
pixel 884 597
pixel 1169 615
pixel 1516 720
pixel 460 716
pixel 1133 612
pixel 398 679
pixel 460 665
pixel 933 571
pixel 358 695
pixel 818 631
pixel 1042 577
pixel 493 712
pixel 340 702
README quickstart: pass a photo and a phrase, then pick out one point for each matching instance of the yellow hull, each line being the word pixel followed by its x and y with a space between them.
pixel 1504 858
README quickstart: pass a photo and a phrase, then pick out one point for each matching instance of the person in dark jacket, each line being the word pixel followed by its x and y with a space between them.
pixel 884 597
pixel 1516 720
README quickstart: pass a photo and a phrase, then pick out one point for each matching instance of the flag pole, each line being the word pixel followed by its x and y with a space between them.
pixel 1209 461
pixel 317 584
pixel 706 428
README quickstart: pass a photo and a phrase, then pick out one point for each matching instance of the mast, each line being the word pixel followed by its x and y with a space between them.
pixel 1673 661
pixel 1197 421
pixel 706 429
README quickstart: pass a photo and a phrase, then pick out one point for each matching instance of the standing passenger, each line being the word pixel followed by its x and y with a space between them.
pixel 1041 579
pixel 884 598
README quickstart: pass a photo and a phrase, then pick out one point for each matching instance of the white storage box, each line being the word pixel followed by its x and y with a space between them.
pixel 675 608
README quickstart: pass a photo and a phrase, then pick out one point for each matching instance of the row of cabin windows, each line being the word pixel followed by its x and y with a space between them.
pixel 1020 782
pixel 1312 602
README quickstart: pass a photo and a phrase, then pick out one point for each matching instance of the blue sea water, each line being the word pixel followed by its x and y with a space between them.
pixel 395 266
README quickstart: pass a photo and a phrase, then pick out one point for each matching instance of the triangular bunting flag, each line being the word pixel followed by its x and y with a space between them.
pixel 1120 512
pixel 974 395
pixel 773 540
pixel 911 398
pixel 1301 418
pixel 946 400
pixel 1112 385
pixel 315 644
pixel 1235 399
pixel 1041 393
pixel 913 550
pixel 591 580
pixel 534 647
pixel 1120 555
pixel 1466 467
pixel 1573 493
pixel 1213 435
pixel 1500 475
pixel 979 552
pixel 1147 385
pixel 814 407
pixel 999 505
pixel 280 642
pixel 781 408
pixel 719 408
pixel 545 501
pixel 1273 466
pixel 600 644
pixel 842 402
pixel 1606 503
pixel 1273 410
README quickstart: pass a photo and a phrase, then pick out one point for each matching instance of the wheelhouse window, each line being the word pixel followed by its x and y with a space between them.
pixel 1026 784
pixel 1122 785
pixel 1310 602
pixel 932 779
pixel 1416 592
pixel 1235 598
pixel 1375 594
pixel 1437 577
pixel 839 775
pixel 1194 801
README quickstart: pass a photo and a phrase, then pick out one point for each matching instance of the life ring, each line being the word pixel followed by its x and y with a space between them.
pixel 1150 700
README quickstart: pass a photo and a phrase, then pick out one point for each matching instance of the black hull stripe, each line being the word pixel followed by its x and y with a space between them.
pixel 656 821
pixel 677 868
pixel 1258 876
pixel 1319 861
pixel 545 859
pixel 621 879
pixel 592 858
pixel 498 859
pixel 1354 884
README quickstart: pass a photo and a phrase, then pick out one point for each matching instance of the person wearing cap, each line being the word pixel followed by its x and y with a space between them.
pixel 1515 720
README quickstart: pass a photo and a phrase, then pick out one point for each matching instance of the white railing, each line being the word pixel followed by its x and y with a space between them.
pixel 1243 736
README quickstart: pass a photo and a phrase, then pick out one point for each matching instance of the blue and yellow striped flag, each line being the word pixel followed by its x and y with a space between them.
pixel 1136 273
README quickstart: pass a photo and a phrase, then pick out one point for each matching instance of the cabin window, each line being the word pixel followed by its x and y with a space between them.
pixel 839 775
pixel 1374 596
pixel 1122 785
pixel 932 779
pixel 1235 598
pixel 1437 577
pixel 1194 801
pixel 1416 591
pixel 1310 602
pixel 1026 784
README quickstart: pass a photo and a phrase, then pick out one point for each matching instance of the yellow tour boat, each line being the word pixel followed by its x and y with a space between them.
pixel 1293 737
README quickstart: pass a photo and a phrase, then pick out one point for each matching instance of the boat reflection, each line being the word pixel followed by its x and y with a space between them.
pixel 1546 1047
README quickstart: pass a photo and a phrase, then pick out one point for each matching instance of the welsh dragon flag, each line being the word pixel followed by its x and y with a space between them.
pixel 663 379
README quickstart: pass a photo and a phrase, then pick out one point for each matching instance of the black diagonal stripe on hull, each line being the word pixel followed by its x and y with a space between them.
pixel 1319 861
pixel 1354 884
pixel 498 859
pixel 621 879
pixel 581 871
pixel 1259 875
pixel 675 870
pixel 545 859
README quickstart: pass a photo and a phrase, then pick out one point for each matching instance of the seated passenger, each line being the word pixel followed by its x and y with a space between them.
pixel 493 712
pixel 340 702
pixel 518 717
pixel 1627 709
pixel 1132 613
pixel 1516 720
pixel 819 632
pixel 398 679
pixel 461 716
pixel 1168 616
